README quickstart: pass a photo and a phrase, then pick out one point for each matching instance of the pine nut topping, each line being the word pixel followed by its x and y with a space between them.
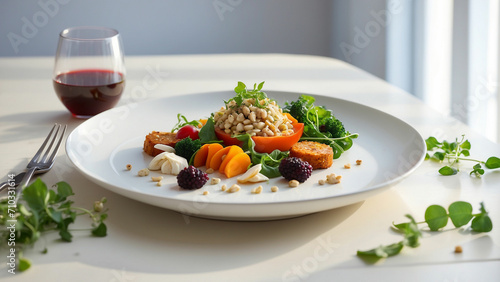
pixel 257 190
pixel 205 193
pixel 333 179
pixel 293 183
pixel 129 167
pixel 156 178
pixel 234 188
pixel 223 187
pixel 210 170
pixel 215 180
pixel 358 162
pixel 143 172
pixel 347 166
pixel 274 189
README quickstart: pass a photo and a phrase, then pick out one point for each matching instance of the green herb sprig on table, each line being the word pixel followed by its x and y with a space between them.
pixel 436 218
pixel 454 152
pixel 41 210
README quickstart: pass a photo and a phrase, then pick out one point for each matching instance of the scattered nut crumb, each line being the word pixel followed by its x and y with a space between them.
pixel 257 190
pixel 156 178
pixel 234 188
pixel 214 181
pixel 223 187
pixel 159 183
pixel 143 172
pixel 347 166
pixel 274 189
pixel 333 179
pixel 358 162
pixel 205 193
pixel 458 249
pixel 129 167
pixel 321 182
pixel 210 170
pixel 293 183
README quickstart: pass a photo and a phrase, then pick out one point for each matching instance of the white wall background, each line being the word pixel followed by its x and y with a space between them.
pixel 316 27
pixel 440 51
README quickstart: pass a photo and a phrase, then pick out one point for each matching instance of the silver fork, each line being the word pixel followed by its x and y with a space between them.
pixel 45 162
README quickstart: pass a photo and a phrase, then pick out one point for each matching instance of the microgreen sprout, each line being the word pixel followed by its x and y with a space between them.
pixel 242 93
pixel 182 121
pixel 436 218
pixel 41 210
pixel 454 152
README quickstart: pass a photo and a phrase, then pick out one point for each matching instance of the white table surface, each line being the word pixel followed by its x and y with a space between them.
pixel 147 243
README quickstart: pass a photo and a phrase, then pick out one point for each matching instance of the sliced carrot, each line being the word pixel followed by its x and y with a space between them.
pixel 201 156
pixel 212 149
pixel 233 151
pixel 216 160
pixel 237 165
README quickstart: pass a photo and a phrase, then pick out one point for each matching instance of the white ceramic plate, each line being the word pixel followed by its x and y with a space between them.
pixel 102 146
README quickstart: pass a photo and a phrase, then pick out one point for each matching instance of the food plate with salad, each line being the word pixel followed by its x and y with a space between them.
pixel 246 154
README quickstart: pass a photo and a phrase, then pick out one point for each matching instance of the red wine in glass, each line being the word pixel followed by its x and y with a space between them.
pixel 88 92
pixel 89 70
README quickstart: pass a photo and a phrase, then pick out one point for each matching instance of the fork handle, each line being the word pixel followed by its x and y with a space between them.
pixel 24 182
pixel 4 185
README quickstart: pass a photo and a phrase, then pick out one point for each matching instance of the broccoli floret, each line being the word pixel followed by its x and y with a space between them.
pixel 187 147
pixel 298 109
pixel 334 127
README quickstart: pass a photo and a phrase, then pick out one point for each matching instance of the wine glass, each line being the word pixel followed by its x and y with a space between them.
pixel 89 70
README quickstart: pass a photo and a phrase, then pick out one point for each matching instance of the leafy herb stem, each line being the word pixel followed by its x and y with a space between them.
pixel 41 210
pixel 436 218
pixel 453 152
pixel 85 211
pixel 352 135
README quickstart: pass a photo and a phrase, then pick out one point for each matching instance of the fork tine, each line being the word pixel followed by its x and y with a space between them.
pixel 45 156
pixel 39 152
pixel 58 145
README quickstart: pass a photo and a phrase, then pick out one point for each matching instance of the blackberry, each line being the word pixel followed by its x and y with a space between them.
pixel 191 178
pixel 293 168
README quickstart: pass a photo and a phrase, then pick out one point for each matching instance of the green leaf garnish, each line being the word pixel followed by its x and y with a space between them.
pixel 436 218
pixel 270 162
pixel 448 170
pixel 320 125
pixel 383 251
pixel 24 264
pixel 460 213
pixel 481 221
pixel 492 163
pixel 207 133
pixel 100 231
pixel 242 93
pixel 453 152
pixel 41 210
pixel 182 121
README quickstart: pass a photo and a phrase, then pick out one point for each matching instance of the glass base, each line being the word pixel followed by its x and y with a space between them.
pixel 81 116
